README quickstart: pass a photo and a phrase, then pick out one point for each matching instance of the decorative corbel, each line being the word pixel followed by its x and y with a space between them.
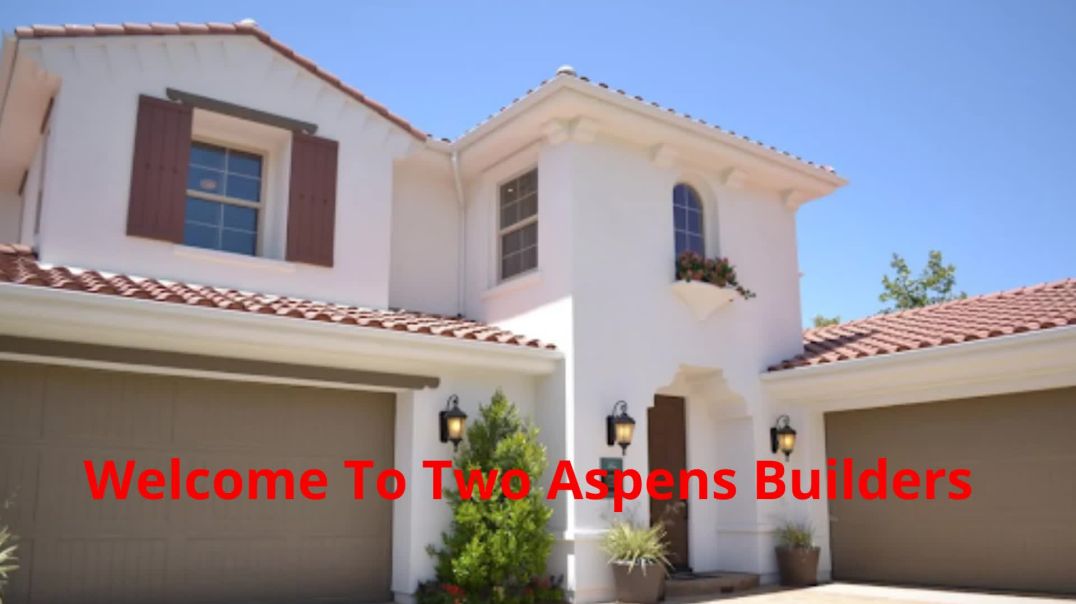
pixel 734 178
pixel 793 198
pixel 584 130
pixel 555 131
pixel 663 155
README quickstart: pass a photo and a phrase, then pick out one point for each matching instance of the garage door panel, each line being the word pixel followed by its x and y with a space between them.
pixel 21 390
pixel 233 415
pixel 76 549
pixel 100 406
pixel 261 568
pixel 19 486
pixel 100 570
pixel 66 506
pixel 327 560
pixel 315 437
pixel 1017 530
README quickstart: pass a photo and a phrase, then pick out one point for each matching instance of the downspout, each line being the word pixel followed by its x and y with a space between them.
pixel 461 234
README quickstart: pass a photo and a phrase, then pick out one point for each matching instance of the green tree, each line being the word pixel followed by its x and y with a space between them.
pixel 822 321
pixel 495 548
pixel 934 284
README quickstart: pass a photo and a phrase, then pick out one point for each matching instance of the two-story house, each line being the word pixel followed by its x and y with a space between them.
pixel 221 253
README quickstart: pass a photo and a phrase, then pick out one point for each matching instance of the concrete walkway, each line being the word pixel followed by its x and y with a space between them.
pixel 841 593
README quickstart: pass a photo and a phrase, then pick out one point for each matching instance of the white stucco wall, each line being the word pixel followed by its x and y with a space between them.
pixel 602 293
pixel 424 271
pixel 89 163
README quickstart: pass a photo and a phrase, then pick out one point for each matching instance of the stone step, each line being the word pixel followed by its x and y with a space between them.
pixel 691 584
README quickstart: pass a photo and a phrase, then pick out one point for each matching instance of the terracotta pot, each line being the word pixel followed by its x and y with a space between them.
pixel 640 585
pixel 798 566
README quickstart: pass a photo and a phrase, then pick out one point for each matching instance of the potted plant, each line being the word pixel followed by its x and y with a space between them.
pixel 638 556
pixel 797 555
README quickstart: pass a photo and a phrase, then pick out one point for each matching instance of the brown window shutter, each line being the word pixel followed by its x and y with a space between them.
pixel 312 200
pixel 159 170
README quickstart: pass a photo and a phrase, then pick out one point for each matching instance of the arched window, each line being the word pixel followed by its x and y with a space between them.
pixel 687 220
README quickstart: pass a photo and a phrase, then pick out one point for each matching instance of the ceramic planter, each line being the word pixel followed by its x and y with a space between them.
pixel 641 585
pixel 798 566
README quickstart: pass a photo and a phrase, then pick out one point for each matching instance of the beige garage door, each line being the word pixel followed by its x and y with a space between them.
pixel 75 549
pixel 1017 531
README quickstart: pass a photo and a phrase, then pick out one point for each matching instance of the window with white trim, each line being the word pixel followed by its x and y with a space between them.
pixel 224 195
pixel 518 220
pixel 687 220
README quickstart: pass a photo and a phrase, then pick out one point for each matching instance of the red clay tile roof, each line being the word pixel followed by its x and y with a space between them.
pixel 643 101
pixel 246 27
pixel 994 315
pixel 19 266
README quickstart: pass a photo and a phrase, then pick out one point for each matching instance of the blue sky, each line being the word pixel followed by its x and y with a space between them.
pixel 954 121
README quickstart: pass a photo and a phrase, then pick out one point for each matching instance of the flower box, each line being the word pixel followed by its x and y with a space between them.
pixel 703 298
pixel 707 284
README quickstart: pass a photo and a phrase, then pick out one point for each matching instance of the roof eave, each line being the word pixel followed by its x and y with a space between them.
pixel 40 32
pixel 79 316
pixel 826 179
pixel 1030 360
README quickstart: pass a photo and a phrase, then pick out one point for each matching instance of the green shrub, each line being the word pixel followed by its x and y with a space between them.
pixel 496 548
pixel 7 556
pixel 626 543
pixel 795 535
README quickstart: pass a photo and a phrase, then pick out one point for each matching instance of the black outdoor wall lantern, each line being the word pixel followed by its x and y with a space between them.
pixel 453 422
pixel 782 437
pixel 619 427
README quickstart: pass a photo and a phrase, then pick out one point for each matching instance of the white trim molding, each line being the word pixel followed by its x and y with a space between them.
pixel 1036 360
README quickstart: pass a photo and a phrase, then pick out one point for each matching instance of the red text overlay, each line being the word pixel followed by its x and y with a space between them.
pixel 840 479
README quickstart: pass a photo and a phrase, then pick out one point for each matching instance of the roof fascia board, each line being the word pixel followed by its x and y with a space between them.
pixel 639 108
pixel 1028 361
pixel 115 321
pixel 156 361
pixel 72 34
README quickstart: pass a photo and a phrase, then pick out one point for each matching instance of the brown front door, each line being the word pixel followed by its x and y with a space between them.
pixel 668 451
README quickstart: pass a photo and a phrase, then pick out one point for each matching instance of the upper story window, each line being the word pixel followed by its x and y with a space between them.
pixel 224 191
pixel 687 220
pixel 519 225
pixel 279 202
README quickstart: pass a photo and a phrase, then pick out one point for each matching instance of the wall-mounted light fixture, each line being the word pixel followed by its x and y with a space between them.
pixel 782 437
pixel 453 422
pixel 619 427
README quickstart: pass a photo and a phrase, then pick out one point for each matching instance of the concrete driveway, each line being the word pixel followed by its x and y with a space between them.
pixel 840 593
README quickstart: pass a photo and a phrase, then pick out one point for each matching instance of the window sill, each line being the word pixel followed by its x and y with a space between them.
pixel 236 260
pixel 513 284
pixel 703 298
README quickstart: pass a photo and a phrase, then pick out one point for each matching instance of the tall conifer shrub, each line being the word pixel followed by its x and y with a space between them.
pixel 496 549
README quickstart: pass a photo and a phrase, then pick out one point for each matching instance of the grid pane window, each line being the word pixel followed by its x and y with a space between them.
pixel 687 221
pixel 224 189
pixel 519 224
